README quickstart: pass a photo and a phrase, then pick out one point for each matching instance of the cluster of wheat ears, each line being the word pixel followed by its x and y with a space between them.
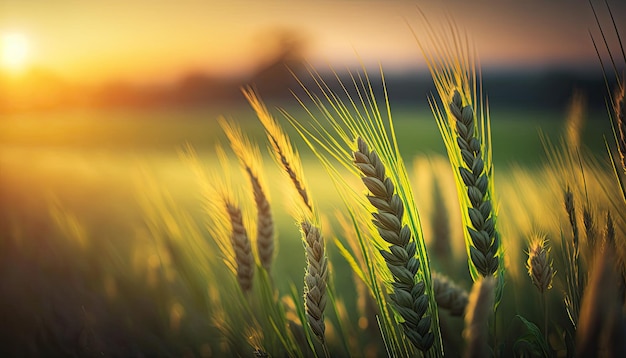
pixel 353 136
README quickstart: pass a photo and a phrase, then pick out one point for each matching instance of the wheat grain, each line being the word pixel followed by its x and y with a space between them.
pixel 408 295
pixel 315 279
pixel 449 295
pixel 477 316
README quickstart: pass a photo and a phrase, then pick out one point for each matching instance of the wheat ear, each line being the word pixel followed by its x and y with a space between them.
pixel 448 295
pixel 479 310
pixel 485 239
pixel 315 279
pixel 283 151
pixel 540 267
pixel 571 259
pixel 241 246
pixel 250 159
pixel 571 214
pixel 265 224
pixel 589 223
pixel 541 272
pixel 408 295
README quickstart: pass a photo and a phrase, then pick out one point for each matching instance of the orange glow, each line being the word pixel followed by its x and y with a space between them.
pixel 146 42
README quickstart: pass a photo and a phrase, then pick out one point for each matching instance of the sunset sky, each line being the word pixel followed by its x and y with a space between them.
pixel 147 41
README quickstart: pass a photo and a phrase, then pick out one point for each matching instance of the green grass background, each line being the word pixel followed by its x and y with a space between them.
pixel 92 161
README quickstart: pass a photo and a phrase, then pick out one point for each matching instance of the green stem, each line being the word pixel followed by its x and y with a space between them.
pixel 494 322
pixel 545 316
pixel 326 353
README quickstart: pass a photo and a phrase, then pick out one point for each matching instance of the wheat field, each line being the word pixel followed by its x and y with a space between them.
pixel 338 225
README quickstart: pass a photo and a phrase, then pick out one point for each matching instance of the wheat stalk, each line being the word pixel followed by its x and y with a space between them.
pixel 619 107
pixel 477 316
pixel 449 295
pixel 315 279
pixel 609 231
pixel 408 295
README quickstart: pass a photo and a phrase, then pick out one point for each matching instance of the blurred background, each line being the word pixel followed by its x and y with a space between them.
pixel 97 98
pixel 73 54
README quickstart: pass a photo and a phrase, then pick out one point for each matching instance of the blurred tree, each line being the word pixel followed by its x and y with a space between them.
pixel 282 51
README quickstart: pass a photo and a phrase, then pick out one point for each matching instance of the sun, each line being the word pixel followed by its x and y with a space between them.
pixel 15 50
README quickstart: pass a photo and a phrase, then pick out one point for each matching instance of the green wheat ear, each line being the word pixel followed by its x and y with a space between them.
pixel 409 317
pixel 463 120
pixel 408 295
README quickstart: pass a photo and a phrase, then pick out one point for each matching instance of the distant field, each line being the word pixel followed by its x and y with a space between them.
pixel 515 130
pixel 93 161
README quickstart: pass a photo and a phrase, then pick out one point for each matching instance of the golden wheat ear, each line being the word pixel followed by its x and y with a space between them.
pixel 315 278
pixel 241 247
pixel 250 159
pixel 284 153
pixel 227 222
pixel 541 271
pixel 539 264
